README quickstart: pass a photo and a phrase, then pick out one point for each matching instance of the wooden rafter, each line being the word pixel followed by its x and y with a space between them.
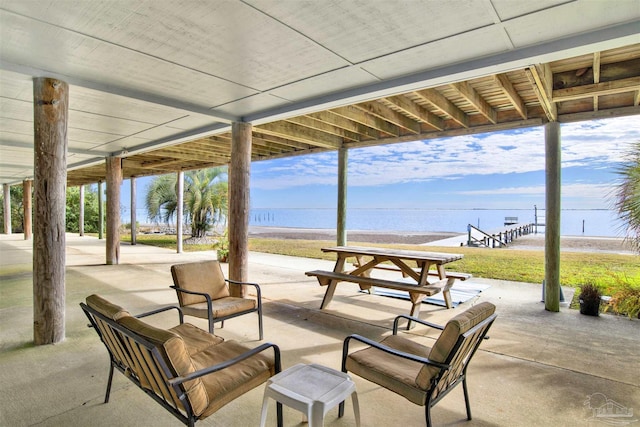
pixel 360 115
pixel 417 112
pixel 378 109
pixel 331 118
pixel 442 104
pixel 470 94
pixel 301 134
pixel 505 84
pixel 541 78
pixel 331 129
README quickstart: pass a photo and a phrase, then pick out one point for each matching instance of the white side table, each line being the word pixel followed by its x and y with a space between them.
pixel 311 389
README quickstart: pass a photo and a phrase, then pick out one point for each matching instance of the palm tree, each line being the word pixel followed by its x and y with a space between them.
pixel 627 195
pixel 205 199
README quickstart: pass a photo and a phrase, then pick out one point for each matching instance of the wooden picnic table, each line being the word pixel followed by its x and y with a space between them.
pixel 369 258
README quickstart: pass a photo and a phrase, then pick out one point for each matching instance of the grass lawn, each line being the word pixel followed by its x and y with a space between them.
pixel 605 270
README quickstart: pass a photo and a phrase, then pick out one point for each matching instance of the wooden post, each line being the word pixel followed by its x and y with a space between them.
pixel 81 212
pixel 552 220
pixel 134 228
pixel 239 176
pixel 100 211
pixel 50 111
pixel 179 210
pixel 27 208
pixel 6 192
pixel 343 160
pixel 114 180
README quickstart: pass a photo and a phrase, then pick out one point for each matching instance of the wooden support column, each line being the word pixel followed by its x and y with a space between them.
pixel 552 230
pixel 134 228
pixel 6 192
pixel 179 210
pixel 114 180
pixel 239 176
pixel 343 160
pixel 50 112
pixel 100 211
pixel 27 210
pixel 81 212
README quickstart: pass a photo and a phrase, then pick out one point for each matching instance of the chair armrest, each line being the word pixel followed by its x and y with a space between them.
pixel 236 282
pixel 413 319
pixel 227 363
pixel 160 310
pixel 392 351
pixel 258 291
pixel 186 291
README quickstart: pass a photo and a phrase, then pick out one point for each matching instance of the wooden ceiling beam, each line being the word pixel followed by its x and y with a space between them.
pixel 333 119
pixel 301 134
pixel 505 84
pixel 381 111
pixel 312 123
pixel 360 116
pixel 541 78
pixel 281 141
pixel 416 111
pixel 605 88
pixel 469 93
pixel 442 104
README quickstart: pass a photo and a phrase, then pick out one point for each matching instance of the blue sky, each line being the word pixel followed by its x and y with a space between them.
pixel 501 170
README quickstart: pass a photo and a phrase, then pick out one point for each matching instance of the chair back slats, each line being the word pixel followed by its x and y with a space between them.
pixel 137 358
pixel 461 354
pixel 152 376
pixel 113 344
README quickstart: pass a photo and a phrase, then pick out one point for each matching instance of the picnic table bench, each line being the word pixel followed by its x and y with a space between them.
pixel 415 279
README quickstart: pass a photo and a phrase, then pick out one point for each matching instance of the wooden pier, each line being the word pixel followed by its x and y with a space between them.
pixel 497 238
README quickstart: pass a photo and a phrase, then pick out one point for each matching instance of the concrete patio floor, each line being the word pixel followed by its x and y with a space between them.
pixel 537 369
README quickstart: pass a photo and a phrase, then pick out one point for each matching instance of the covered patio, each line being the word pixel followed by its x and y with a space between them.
pixel 537 369
pixel 101 91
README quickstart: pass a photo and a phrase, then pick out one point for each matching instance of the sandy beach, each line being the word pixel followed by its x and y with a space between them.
pixel 528 242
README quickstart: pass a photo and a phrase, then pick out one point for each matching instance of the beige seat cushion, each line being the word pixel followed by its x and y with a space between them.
pixel 220 307
pixel 391 372
pixel 173 350
pixel 106 308
pixel 226 385
pixel 195 339
pixel 203 276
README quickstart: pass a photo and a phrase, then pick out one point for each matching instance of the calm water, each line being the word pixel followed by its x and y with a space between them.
pixel 596 222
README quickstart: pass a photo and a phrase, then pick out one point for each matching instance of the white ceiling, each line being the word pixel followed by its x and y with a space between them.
pixel 144 74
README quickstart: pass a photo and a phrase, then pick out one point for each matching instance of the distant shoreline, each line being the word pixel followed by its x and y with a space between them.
pixel 528 242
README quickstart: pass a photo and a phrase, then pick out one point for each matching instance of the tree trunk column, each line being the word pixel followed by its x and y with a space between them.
pixel 552 229
pixel 81 212
pixel 50 110
pixel 239 176
pixel 343 157
pixel 6 192
pixel 114 180
pixel 27 208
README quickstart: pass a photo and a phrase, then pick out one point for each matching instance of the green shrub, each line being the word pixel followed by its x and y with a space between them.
pixel 625 299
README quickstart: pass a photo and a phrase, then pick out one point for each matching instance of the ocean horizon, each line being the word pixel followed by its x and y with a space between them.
pixel 574 222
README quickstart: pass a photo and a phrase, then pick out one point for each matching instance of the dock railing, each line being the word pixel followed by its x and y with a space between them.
pixel 499 238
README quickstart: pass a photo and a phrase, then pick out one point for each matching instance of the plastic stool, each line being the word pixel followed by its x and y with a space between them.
pixel 311 389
